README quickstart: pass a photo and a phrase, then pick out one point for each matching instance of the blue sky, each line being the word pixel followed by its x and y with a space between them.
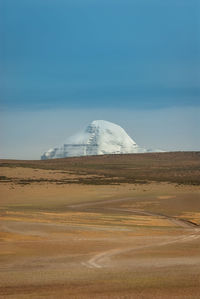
pixel 86 56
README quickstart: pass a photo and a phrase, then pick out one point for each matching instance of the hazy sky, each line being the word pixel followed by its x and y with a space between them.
pixel 64 63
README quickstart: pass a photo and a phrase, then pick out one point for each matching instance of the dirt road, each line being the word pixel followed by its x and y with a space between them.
pixel 98 260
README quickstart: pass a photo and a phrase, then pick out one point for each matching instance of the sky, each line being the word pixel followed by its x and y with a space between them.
pixel 65 63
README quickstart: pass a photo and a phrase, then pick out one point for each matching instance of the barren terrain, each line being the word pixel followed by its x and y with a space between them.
pixel 101 227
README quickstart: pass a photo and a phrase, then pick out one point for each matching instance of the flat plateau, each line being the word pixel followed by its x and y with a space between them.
pixel 103 227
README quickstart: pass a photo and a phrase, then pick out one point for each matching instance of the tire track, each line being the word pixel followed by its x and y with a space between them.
pixel 98 259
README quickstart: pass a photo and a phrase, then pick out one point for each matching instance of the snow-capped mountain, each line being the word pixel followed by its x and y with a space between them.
pixel 100 137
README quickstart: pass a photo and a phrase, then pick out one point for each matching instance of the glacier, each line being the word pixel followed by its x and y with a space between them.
pixel 100 137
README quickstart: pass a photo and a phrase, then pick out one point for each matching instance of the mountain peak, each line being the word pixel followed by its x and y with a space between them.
pixel 102 123
pixel 98 138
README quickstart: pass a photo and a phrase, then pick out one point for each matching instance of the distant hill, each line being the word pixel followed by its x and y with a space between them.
pixel 176 167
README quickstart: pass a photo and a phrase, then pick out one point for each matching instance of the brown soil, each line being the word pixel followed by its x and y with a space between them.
pixel 75 240
pixel 175 167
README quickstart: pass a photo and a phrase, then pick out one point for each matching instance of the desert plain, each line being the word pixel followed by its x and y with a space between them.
pixel 116 226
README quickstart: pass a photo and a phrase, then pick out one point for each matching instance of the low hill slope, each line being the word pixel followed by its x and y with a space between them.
pixel 175 167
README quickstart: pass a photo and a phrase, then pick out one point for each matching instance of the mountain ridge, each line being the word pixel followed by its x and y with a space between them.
pixel 100 137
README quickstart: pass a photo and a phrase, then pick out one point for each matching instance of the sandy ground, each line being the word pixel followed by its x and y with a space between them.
pixel 87 241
